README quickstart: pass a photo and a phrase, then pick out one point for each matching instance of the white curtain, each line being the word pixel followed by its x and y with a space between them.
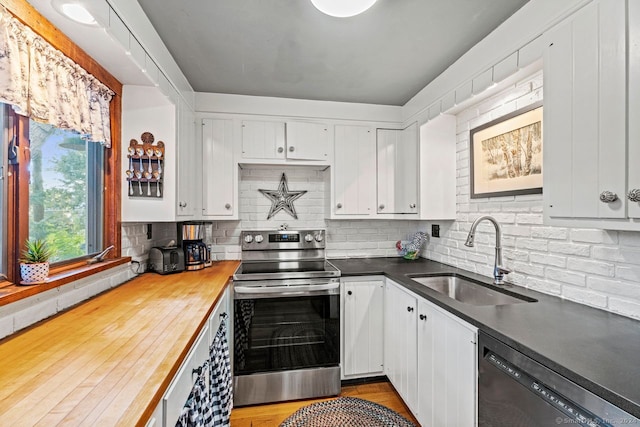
pixel 42 83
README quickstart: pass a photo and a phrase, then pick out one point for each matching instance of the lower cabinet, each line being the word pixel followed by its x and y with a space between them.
pixel 430 358
pixel 362 328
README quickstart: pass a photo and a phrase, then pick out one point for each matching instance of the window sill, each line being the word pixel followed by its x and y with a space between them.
pixel 10 292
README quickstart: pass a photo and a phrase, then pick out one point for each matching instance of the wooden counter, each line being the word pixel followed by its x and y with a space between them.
pixel 109 360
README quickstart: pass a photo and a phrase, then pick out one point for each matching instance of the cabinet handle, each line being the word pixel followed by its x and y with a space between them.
pixel 423 317
pixel 634 195
pixel 280 149
pixel 292 148
pixel 339 205
pixel 409 309
pixel 349 293
pixel 227 206
pixel 608 197
pixel 381 207
pixel 412 206
pixel 182 204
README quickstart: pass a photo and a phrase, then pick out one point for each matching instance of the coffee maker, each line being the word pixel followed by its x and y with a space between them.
pixel 197 255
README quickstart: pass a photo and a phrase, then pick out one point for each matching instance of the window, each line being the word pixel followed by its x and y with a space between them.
pixel 65 191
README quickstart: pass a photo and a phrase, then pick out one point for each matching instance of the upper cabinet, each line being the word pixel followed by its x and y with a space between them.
pixel 220 173
pixel 354 171
pixel 585 118
pixel 280 142
pixel 187 199
pixel 397 170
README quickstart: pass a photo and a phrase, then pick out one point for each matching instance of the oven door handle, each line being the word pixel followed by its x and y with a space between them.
pixel 293 290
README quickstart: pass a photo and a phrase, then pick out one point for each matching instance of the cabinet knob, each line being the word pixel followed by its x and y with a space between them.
pixel 349 293
pixel 339 205
pixel 227 206
pixel 280 149
pixel 634 195
pixel 292 148
pixel 182 204
pixel 409 309
pixel 381 207
pixel 412 206
pixel 423 317
pixel 608 197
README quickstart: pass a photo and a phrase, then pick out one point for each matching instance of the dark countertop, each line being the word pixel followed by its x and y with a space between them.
pixel 594 348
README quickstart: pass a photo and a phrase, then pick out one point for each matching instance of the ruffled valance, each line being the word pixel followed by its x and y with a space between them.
pixel 40 82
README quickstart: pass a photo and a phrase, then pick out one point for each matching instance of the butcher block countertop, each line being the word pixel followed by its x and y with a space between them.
pixel 109 360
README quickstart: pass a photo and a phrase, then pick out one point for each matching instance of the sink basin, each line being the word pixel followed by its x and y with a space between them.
pixel 468 292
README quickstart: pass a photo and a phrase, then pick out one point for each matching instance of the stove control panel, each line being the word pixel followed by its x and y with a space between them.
pixel 282 239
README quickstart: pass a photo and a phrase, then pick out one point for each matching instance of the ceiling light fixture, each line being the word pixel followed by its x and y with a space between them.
pixel 342 8
pixel 74 10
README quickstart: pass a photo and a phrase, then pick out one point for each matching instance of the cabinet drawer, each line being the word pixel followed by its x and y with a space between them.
pixel 179 390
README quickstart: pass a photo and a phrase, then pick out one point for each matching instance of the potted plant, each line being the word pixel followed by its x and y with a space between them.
pixel 34 264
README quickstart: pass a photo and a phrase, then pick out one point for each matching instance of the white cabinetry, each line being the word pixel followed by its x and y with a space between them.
pixel 363 304
pixel 354 174
pixel 277 142
pixel 219 170
pixel 446 368
pixel 438 168
pixel 585 165
pixel 400 346
pixel 397 170
pixel 430 358
pixel 187 171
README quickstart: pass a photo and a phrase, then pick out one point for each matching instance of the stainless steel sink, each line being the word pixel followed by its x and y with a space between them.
pixel 468 292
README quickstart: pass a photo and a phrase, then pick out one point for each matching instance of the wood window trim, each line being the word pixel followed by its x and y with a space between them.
pixel 29 16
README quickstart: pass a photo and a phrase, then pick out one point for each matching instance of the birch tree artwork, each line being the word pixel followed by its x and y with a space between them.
pixel 514 154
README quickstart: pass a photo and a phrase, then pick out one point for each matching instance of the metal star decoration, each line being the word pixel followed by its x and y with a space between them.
pixel 282 199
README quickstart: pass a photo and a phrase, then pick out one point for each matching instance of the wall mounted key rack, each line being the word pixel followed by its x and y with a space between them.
pixel 145 167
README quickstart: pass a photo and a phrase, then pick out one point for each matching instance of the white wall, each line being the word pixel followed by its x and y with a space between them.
pixel 363 238
pixel 594 267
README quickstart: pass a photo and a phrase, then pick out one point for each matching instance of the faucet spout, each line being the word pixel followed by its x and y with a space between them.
pixel 499 271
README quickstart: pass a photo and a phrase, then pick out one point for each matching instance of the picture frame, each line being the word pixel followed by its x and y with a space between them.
pixel 506 155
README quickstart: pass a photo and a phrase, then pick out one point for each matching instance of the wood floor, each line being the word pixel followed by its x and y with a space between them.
pixel 272 415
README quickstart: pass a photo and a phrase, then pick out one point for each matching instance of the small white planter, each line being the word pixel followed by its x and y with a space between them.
pixel 33 274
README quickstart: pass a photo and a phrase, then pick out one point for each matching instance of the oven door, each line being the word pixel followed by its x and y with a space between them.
pixel 286 325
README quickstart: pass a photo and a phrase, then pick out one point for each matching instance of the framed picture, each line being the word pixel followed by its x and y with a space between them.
pixel 506 155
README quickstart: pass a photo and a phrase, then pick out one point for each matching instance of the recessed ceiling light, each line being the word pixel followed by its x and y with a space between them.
pixel 74 10
pixel 342 8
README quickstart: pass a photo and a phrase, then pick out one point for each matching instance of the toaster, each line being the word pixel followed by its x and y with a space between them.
pixel 166 259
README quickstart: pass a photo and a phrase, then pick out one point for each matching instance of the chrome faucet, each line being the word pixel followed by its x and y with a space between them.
pixel 100 256
pixel 499 271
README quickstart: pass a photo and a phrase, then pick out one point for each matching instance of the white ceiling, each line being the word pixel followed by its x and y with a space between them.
pixel 286 48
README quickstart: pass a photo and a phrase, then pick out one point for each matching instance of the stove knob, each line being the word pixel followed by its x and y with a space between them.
pixel 319 237
pixel 308 238
pixel 248 238
pixel 259 238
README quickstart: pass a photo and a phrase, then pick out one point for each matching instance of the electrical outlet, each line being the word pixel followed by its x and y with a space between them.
pixel 435 230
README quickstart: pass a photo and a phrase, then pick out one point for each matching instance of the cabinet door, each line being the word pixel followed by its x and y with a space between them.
pixel 217 167
pixel 263 140
pixel 400 343
pixel 584 114
pixel 363 326
pixel 355 170
pixel 634 105
pixel 307 141
pixel 447 369
pixel 187 153
pixel 397 170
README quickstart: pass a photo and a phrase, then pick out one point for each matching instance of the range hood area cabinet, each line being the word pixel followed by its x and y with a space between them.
pixel 291 142
pixel 589 179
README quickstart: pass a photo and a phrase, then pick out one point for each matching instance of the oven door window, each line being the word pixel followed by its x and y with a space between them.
pixel 277 334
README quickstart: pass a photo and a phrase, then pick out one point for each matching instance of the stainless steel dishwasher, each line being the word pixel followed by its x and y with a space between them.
pixel 515 390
